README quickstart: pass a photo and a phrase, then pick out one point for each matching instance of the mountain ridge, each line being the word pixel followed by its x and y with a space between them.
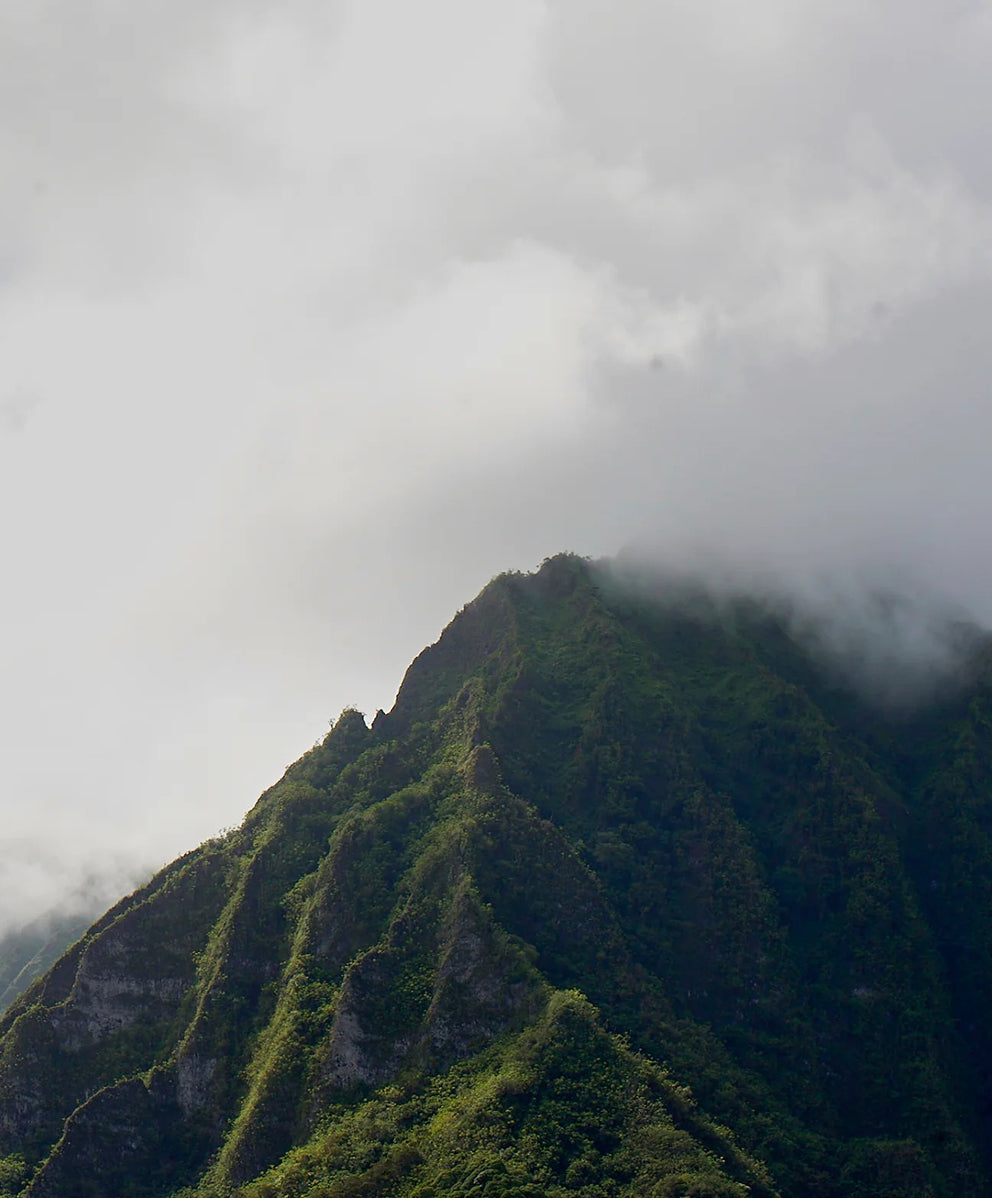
pixel 599 835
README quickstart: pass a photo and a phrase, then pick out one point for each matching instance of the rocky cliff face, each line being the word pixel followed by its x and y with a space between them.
pixel 613 877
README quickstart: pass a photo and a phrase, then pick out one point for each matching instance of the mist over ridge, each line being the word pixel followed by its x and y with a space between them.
pixel 898 644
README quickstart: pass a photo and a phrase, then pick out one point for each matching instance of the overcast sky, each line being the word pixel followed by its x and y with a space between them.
pixel 314 316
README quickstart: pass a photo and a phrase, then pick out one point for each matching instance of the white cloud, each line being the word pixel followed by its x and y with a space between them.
pixel 327 314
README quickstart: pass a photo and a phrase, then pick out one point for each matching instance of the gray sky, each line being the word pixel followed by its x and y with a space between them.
pixel 313 317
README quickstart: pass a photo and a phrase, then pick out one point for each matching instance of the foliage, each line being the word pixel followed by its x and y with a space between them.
pixel 619 871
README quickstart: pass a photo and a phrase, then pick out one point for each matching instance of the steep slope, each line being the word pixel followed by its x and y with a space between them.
pixel 613 868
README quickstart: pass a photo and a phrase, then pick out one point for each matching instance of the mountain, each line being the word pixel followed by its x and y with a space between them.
pixel 628 895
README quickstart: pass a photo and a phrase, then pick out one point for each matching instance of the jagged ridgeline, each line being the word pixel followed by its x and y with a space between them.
pixel 622 898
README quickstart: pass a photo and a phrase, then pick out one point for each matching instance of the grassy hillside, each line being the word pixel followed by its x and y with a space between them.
pixel 624 897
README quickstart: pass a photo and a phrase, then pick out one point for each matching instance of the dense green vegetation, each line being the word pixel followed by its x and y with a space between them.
pixel 626 896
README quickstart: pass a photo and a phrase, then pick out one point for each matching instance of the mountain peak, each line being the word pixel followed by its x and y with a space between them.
pixel 615 874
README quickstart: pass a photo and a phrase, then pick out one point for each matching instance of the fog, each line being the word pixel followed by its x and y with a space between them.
pixel 311 321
